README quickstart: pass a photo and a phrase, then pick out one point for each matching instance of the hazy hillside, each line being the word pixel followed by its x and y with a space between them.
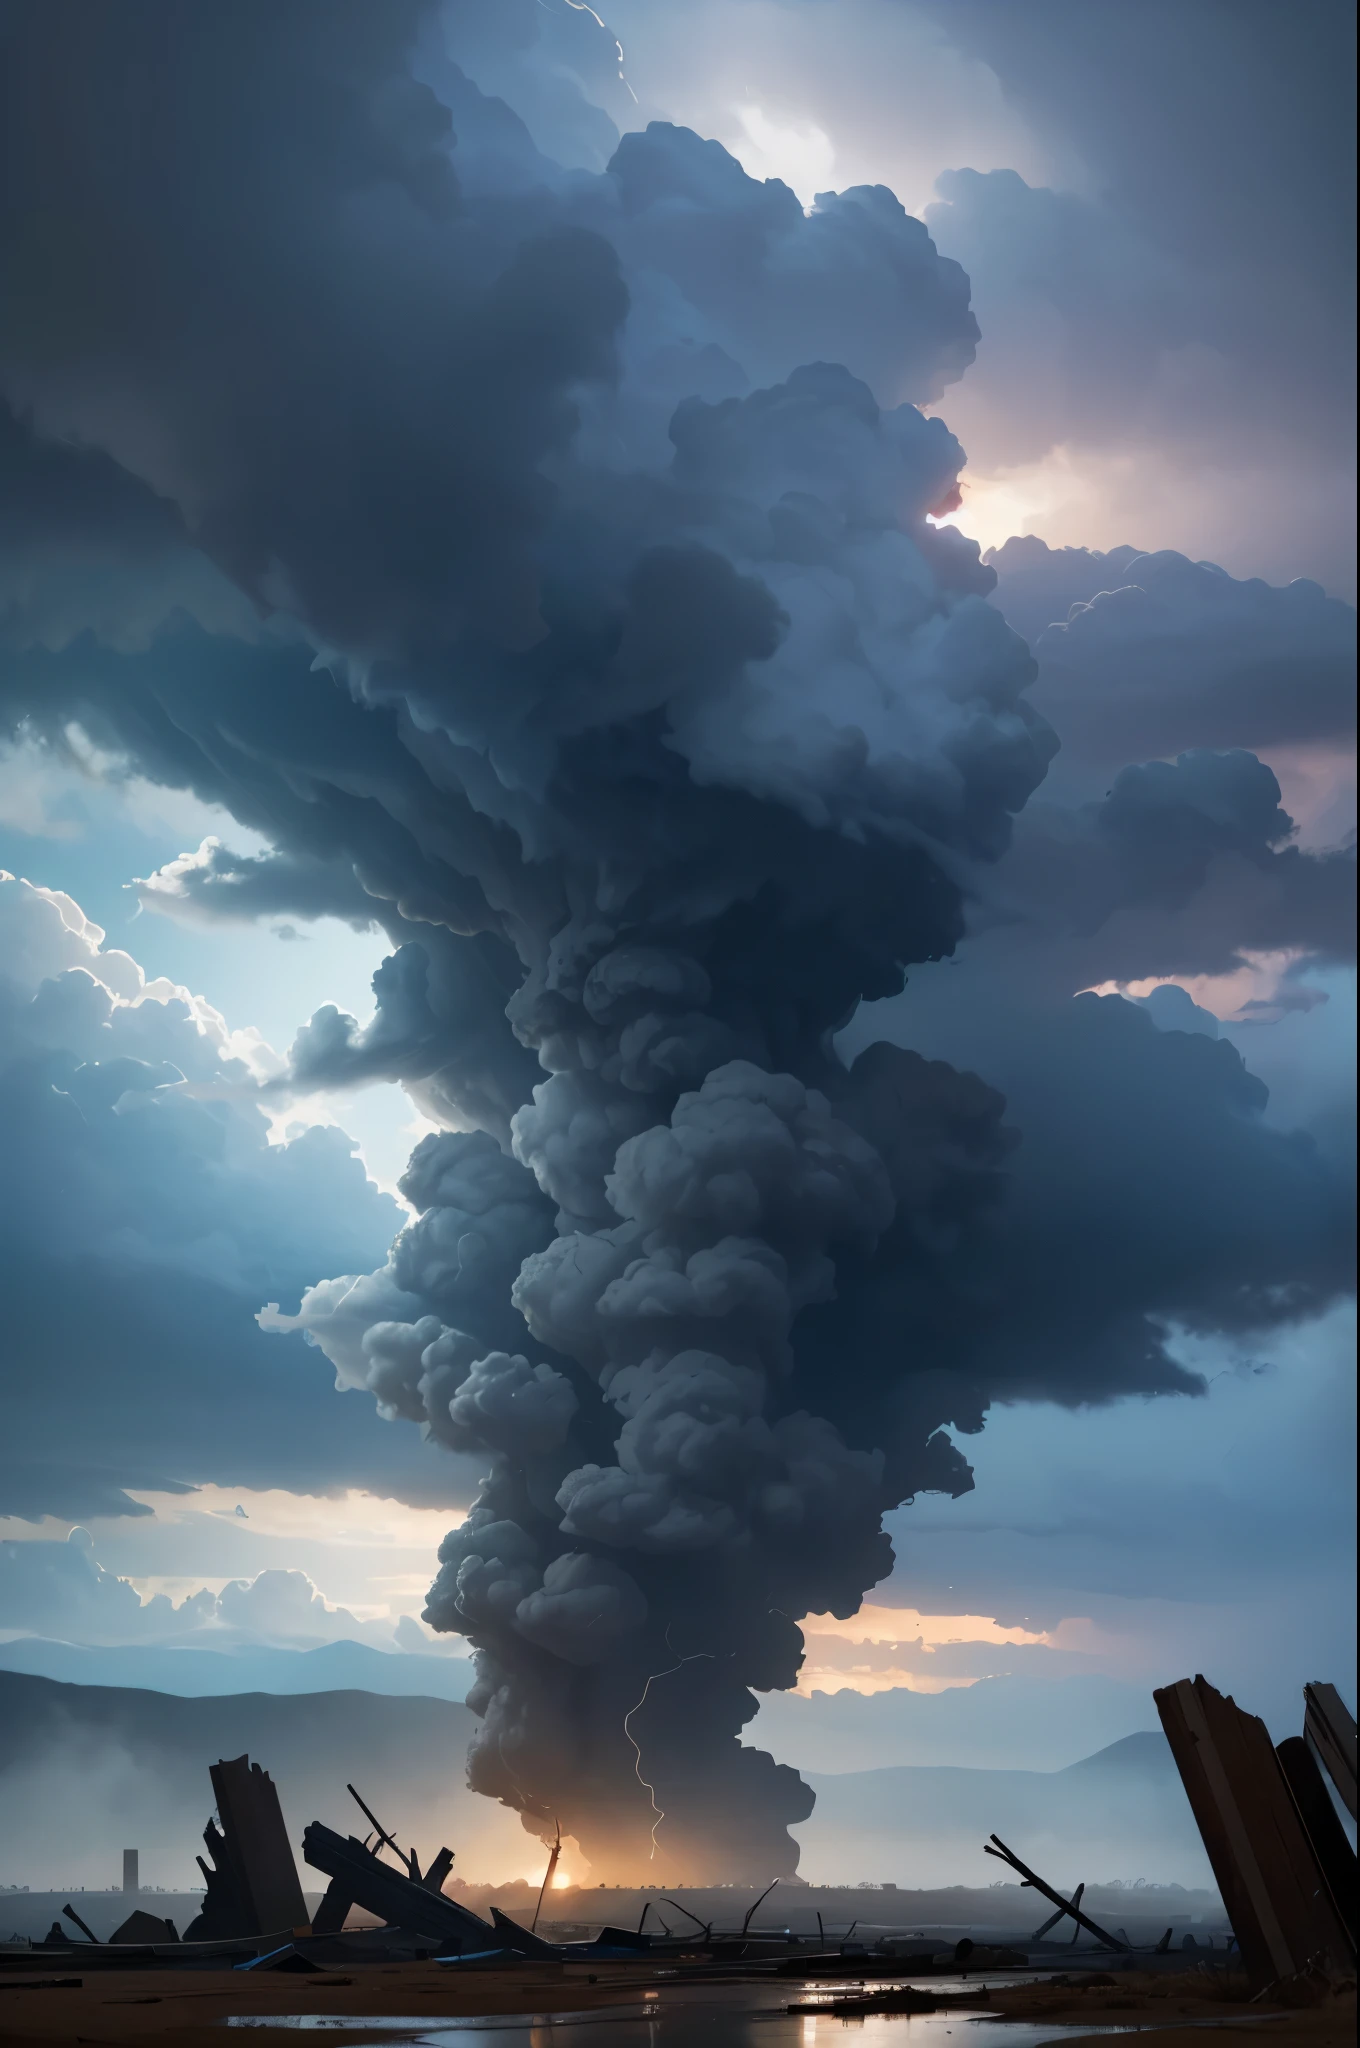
pixel 195 1673
pixel 1010 1722
pixel 1002 1723
pixel 1120 1814
pixel 88 1770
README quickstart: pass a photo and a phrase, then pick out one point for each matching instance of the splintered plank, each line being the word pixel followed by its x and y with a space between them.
pixel 1275 1894
pixel 257 1845
pixel 1329 1726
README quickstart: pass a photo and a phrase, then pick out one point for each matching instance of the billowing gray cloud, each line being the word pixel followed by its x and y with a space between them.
pixel 886 304
pixel 86 546
pixel 61 1590
pixel 1181 322
pixel 613 655
pixel 1185 867
pixel 1147 655
pixel 1146 1170
pixel 144 1213
pixel 1155 206
pixel 215 885
pixel 1075 300
pixel 1167 328
pixel 1278 192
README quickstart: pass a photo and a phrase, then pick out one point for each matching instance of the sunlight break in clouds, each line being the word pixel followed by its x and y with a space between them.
pixel 905 1625
pixel 896 1628
pixel 376 1549
pixel 1040 497
pixel 365 1554
pixel 1251 990
pixel 349 1520
pixel 800 153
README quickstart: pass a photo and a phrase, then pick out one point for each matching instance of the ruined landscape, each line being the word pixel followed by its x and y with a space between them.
pixel 677 1021
pixel 1277 1931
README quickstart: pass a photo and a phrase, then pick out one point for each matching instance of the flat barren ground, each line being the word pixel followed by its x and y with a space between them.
pixel 187 2009
pixel 1179 2004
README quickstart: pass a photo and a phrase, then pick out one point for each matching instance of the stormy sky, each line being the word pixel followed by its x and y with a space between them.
pixel 677 801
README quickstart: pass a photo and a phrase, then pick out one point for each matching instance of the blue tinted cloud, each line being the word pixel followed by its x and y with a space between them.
pixel 606 644
pixel 144 1213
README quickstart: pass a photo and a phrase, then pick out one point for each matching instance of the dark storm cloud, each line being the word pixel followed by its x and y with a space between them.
pixel 557 67
pixel 144 1218
pixel 341 275
pixel 1076 303
pixel 887 305
pixel 1144 655
pixel 1184 868
pixel 216 885
pixel 1156 98
pixel 614 658
pixel 1201 297
pixel 1155 209
pixel 282 297
pixel 85 545
pixel 1145 1175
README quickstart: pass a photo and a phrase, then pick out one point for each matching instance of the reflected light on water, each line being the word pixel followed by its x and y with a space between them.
pixel 750 2015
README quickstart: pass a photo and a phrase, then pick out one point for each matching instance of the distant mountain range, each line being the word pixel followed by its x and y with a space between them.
pixel 86 1771
pixel 1119 1814
pixel 999 1723
pixel 1007 1722
pixel 194 1673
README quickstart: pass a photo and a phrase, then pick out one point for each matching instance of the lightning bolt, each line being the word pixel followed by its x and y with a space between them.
pixel 580 7
pixel 649 1789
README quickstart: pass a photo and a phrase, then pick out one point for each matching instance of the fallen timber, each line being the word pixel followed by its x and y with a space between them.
pixel 1285 1886
pixel 331 1914
pixel 1062 1914
pixel 1329 1728
pixel 405 1902
pixel 256 1917
pixel 252 1881
pixel 1334 1854
pixel 1065 1906
pixel 460 1936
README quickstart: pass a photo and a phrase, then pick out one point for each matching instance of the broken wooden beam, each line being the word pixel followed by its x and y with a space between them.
pixel 750 1912
pixel 1268 1875
pixel 257 1848
pixel 400 1902
pixel 520 1939
pixel 1335 1856
pixel 1005 1855
pixel 141 1929
pixel 388 1841
pixel 224 1914
pixel 71 1914
pixel 1061 1914
pixel 331 1914
pixel 1329 1725
pixel 553 1856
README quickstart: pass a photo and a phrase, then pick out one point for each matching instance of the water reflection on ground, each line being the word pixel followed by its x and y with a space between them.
pixel 750 2015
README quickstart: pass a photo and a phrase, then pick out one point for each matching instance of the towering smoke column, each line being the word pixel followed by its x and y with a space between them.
pixel 803 709
pixel 600 649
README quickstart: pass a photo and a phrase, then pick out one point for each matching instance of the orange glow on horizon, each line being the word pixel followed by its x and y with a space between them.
pixel 907 1626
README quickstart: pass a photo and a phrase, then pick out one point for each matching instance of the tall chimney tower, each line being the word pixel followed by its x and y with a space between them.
pixel 130 1882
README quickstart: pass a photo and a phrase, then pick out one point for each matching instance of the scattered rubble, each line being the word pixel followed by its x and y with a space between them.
pixel 1286 1871
pixel 142 1927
